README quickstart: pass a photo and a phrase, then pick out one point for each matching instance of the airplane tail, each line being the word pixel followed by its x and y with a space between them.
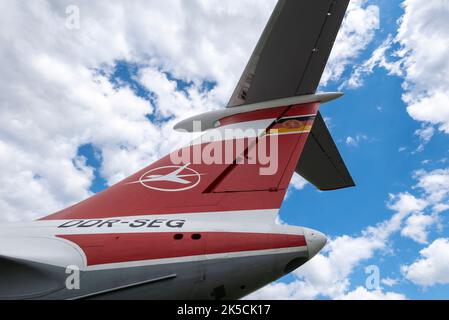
pixel 271 128
pixel 244 162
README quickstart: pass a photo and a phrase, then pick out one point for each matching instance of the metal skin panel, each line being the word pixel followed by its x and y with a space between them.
pixel 191 280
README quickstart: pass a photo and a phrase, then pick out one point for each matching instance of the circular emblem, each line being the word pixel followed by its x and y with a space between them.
pixel 171 179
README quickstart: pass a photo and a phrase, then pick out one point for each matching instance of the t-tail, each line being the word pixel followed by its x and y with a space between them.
pixel 244 162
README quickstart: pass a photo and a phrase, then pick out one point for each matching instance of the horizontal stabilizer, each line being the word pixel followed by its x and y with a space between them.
pixel 321 163
pixel 210 119
pixel 20 279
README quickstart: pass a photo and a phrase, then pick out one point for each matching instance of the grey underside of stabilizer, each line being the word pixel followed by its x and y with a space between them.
pixel 321 163
pixel 21 279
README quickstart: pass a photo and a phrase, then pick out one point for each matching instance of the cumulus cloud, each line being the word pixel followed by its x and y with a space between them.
pixel 435 185
pixel 430 200
pixel 296 290
pixel 405 203
pixel 377 59
pixel 358 30
pixel 362 293
pixel 431 268
pixel 417 227
pixel 422 62
pixel 423 37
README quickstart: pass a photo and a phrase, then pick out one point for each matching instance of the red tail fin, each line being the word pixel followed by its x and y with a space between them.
pixel 245 163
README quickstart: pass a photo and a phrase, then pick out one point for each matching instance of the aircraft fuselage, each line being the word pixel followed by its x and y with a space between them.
pixel 194 256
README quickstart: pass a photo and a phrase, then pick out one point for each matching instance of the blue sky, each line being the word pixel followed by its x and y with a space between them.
pixel 98 102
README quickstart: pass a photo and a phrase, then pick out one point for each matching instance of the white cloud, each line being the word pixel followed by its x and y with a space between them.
pixel 33 181
pixel 405 203
pixel 357 32
pixel 172 102
pixel 298 182
pixel 425 208
pixel 423 39
pixel 425 134
pixel 355 141
pixel 389 282
pixel 431 199
pixel 329 273
pixel 431 268
pixel 377 59
pixel 363 294
pixel 296 290
pixel 441 207
pixel 417 227
pixel 299 290
pixel 435 185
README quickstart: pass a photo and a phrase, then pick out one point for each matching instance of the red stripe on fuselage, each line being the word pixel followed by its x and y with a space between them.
pixel 122 248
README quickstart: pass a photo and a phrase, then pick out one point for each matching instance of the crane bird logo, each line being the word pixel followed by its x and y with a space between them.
pixel 170 179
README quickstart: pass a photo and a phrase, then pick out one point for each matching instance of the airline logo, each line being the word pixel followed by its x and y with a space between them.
pixel 170 179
